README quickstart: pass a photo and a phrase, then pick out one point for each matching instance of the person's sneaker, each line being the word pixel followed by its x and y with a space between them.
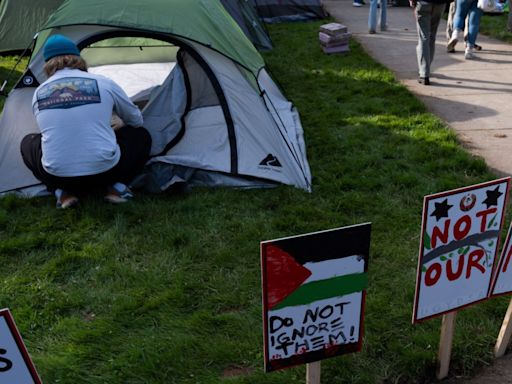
pixel 118 194
pixel 65 199
pixel 476 46
pixel 356 4
pixel 450 47
pixel 470 53
pixel 371 31
pixel 424 80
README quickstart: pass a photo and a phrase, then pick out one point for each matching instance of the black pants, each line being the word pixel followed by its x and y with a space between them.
pixel 135 145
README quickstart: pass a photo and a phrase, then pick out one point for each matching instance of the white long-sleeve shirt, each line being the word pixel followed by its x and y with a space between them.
pixel 73 110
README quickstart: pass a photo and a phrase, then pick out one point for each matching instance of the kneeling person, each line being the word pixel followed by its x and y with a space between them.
pixel 77 149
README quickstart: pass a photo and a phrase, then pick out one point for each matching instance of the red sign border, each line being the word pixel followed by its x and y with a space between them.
pixel 426 199
pixel 6 314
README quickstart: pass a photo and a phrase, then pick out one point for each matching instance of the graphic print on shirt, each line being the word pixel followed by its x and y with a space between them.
pixel 68 92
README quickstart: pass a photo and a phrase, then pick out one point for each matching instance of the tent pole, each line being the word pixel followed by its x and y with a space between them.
pixel 14 68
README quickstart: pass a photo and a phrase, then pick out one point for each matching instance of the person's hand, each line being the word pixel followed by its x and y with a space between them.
pixel 412 3
pixel 116 122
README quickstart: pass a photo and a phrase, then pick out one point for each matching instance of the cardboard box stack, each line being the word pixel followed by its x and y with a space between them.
pixel 334 38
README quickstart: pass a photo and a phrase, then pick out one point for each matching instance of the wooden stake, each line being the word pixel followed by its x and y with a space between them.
pixel 445 345
pixel 505 332
pixel 313 373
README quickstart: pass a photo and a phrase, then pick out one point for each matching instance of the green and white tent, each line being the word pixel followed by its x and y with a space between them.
pixel 215 115
pixel 247 18
pixel 20 20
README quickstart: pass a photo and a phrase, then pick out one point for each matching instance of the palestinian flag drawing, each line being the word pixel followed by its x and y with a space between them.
pixel 313 295
pixel 460 237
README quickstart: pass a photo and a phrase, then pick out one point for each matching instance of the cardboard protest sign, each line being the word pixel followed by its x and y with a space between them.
pixel 502 283
pixel 313 295
pixel 459 240
pixel 15 364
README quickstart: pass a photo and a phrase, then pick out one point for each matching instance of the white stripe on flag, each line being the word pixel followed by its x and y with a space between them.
pixel 328 269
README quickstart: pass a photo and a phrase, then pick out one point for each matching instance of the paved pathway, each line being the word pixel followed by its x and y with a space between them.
pixel 473 96
pixel 499 373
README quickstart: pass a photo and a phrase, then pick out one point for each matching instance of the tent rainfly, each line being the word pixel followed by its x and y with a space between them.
pixel 20 20
pixel 215 115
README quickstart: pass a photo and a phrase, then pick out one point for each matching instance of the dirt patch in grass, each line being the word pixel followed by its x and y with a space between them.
pixel 236 371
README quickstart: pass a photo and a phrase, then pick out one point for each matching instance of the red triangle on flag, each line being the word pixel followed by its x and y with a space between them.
pixel 284 275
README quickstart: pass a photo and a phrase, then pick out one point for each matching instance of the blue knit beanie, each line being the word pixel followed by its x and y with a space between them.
pixel 58 45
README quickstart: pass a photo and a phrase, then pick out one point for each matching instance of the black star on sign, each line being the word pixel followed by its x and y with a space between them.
pixel 441 210
pixel 492 197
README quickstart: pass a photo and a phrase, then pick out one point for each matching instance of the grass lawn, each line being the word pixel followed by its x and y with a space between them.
pixel 495 25
pixel 167 289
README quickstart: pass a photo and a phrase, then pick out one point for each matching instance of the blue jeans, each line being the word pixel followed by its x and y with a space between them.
pixel 468 8
pixel 372 17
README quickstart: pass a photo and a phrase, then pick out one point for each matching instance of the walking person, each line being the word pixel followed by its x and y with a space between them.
pixel 449 28
pixel 78 149
pixel 372 16
pixel 463 9
pixel 428 15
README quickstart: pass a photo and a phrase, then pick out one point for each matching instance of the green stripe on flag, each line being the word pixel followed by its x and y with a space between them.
pixel 324 289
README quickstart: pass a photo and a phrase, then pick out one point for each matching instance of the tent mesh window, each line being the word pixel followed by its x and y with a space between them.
pixel 201 90
pixel 139 65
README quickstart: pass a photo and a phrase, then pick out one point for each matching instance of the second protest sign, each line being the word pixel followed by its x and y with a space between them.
pixel 460 236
